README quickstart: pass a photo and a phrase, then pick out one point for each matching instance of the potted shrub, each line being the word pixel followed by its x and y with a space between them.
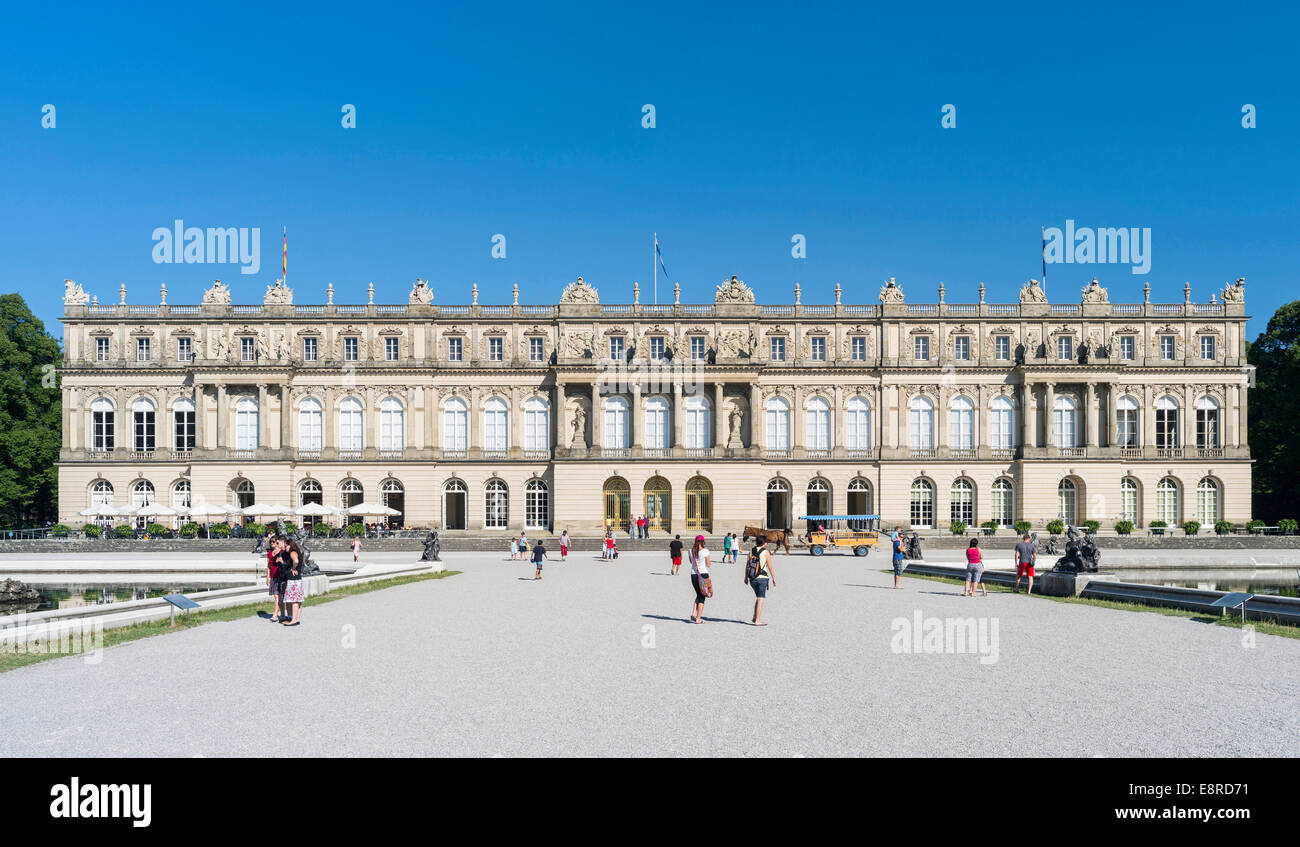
pixel 253 528
pixel 957 527
pixel 1192 527
pixel 1224 527
pixel 1288 526
pixel 289 527
pixel 219 530
pixel 1255 527
pixel 123 530
pixel 90 530
pixel 1022 527
pixel 356 529
pixel 989 527
pixel 1091 526
pixel 1157 527
pixel 1056 527
pixel 322 530
pixel 1124 527
pixel 155 530
pixel 189 530
pixel 60 530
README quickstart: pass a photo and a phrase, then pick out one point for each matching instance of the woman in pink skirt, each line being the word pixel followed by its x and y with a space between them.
pixel 293 588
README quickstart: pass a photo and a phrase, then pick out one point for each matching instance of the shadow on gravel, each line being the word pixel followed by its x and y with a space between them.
pixel 861 585
pixel 707 619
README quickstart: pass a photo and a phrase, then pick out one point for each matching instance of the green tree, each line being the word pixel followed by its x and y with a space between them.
pixel 1274 408
pixel 30 417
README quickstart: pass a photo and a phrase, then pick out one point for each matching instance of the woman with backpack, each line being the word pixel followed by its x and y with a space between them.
pixel 700 578
pixel 758 573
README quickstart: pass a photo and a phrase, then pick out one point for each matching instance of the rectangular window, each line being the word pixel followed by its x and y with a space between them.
pixel 1127 347
pixel 144 431
pixel 921 348
pixel 1167 428
pixel 697 348
pixel 777 347
pixel 1127 426
pixel 818 348
pixel 142 349
pixel 496 346
pixel 1207 347
pixel 858 348
pixel 1002 348
pixel 184 349
pixel 455 349
pixel 616 348
pixel 351 347
pixel 1207 428
pixel 1065 347
pixel 247 350
pixel 1167 347
pixel 101 349
pixel 391 348
pixel 961 348
pixel 184 428
pixel 309 349
pixel 101 425
pixel 536 349
pixel 656 348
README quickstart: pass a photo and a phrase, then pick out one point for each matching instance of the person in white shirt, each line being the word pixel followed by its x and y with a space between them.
pixel 700 581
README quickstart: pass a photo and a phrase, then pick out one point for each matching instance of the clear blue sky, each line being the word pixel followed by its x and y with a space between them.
pixel 526 121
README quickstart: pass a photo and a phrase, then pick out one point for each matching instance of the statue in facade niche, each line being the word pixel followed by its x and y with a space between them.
pixel 223 347
pixel 283 347
pixel 73 294
pixel 1032 292
pixel 735 419
pixel 217 295
pixel 891 293
pixel 579 437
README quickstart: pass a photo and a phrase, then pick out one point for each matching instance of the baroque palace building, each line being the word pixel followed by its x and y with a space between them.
pixel 705 418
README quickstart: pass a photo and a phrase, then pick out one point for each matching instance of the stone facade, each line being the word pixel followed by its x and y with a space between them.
pixel 706 417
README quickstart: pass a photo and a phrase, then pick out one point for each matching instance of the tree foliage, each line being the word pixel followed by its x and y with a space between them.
pixel 1274 416
pixel 30 417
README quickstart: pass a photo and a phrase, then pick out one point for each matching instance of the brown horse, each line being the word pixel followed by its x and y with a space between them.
pixel 775 537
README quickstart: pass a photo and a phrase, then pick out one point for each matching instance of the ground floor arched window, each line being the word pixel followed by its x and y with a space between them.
pixel 658 503
pixel 1067 502
pixel 1207 502
pixel 393 495
pixel 922 506
pixel 455 496
pixel 537 505
pixel 1128 500
pixel 962 501
pixel 1167 501
pixel 699 505
pixel 496 505
pixel 617 496
pixel 1004 502
pixel 860 501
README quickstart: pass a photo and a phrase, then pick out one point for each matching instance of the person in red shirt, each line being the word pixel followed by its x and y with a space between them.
pixel 974 569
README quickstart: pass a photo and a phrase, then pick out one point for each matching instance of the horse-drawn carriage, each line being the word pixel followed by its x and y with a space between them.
pixel 858 532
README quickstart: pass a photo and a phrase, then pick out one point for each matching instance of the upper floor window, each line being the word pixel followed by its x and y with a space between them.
pixel 183 425
pixel 817 348
pixel 920 424
pixel 1167 347
pixel 1126 422
pixel 142 346
pixel 350 419
pixel 455 349
pixel 184 349
pixel 391 347
pixel 1002 348
pixel 817 424
pixel 351 348
pixel 1166 423
pixel 1127 347
pixel 246 425
pixel 657 347
pixel 1064 422
pixel 656 423
pixel 537 427
pixel 455 425
pixel 858 348
pixel 101 349
pixel 961 347
pixel 616 420
pixel 777 347
pixel 617 348
pixel 247 349
pixel 697 348
pixel 101 425
pixel 142 419
pixel 1065 347
pixel 536 349
pixel 496 421
pixel 391 425
pixel 310 352
pixel 961 423
pixel 857 429
pixel 1207 347
pixel 310 419
pixel 1207 423
pixel 496 348
pixel 697 422
pixel 776 425
pixel 921 348
pixel 1002 425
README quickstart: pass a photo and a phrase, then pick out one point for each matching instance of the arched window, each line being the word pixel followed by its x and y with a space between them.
pixel 1207 501
pixel 922 503
pixel 142 493
pixel 455 425
pixel 1002 424
pixel 537 424
pixel 1167 423
pixel 246 431
pixel 861 501
pixel 1128 500
pixel 656 423
pixel 818 499
pixel 245 494
pixel 142 425
pixel 857 424
pixel 310 422
pixel 392 429
pixel 496 425
pixel 101 494
pixel 1063 423
pixel 1067 502
pixel 616 420
pixel 1004 502
pixel 1167 501
pixel 961 423
pixel 617 497
pixel 537 505
pixel 1126 423
pixel 1207 423
pixel 102 425
pixel 183 425
pixel 351 493
pixel 181 494
pixel 455 499
pixel 496 505
pixel 698 422
pixel 817 424
pixel 920 424
pixel 310 491
pixel 393 495
pixel 351 434
pixel 777 424
pixel 699 505
pixel 962 501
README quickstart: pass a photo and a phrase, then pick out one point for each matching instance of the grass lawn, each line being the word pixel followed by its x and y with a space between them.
pixel 121 635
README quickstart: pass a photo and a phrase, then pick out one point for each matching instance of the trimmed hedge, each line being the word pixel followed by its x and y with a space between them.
pixel 957 527
pixel 1056 527
pixel 1124 527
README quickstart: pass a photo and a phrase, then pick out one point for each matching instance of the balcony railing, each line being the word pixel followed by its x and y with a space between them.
pixel 923 453
pixel 1169 452
pixel 534 455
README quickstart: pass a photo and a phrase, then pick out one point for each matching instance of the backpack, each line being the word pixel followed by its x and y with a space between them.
pixel 751 566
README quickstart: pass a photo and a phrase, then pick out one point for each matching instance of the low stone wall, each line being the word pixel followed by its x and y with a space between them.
pixel 1007 540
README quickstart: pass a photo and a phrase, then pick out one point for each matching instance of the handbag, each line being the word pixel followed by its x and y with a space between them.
pixel 706 586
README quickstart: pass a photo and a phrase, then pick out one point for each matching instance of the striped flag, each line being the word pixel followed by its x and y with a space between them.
pixel 286 256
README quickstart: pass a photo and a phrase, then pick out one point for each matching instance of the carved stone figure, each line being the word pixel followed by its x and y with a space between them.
pixel 1236 292
pixel 579 437
pixel 223 348
pixel 1032 292
pixel 733 291
pixel 278 294
pixel 73 294
pixel 263 348
pixel 1081 553
pixel 735 418
pixel 579 292
pixel 735 344
pixel 283 347
pixel 217 295
pixel 890 293
pixel 1094 293
pixel 421 294
pixel 432 548
pixel 577 344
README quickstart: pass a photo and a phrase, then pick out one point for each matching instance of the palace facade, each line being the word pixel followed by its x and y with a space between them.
pixel 705 417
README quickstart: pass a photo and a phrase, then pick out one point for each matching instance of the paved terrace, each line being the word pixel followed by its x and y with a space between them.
pixel 491 663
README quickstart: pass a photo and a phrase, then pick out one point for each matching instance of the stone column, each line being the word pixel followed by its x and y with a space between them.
pixel 900 417
pixel 369 420
pixel 720 432
pixel 1049 414
pixel 516 444
pixel 1148 414
pixel 329 425
pixel 222 404
pixel 836 441
pixel 474 443
pixel 679 417
pixel 597 417
pixel 200 413
pixel 286 415
pixel 980 436
pixel 755 417
pixel 1090 404
pixel 1187 438
pixel 263 416
pixel 798 417
pixel 1227 420
pixel 636 420
pixel 1243 433
pixel 433 415
pixel 557 421
pixel 887 416
pixel 1111 417
pixel 1028 417
pixel 942 420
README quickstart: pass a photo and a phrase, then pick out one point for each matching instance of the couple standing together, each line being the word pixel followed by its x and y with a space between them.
pixel 758 574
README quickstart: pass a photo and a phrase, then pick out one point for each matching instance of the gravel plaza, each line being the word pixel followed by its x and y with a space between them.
pixel 599 659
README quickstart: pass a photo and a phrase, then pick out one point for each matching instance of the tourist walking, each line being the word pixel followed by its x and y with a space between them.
pixel 514 547
pixel 974 569
pixel 564 546
pixel 294 593
pixel 539 554
pixel 700 578
pixel 758 574
pixel 356 548
pixel 675 553
pixel 1025 556
pixel 726 547
pixel 897 540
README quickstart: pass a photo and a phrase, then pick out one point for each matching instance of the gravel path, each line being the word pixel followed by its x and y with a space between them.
pixel 492 663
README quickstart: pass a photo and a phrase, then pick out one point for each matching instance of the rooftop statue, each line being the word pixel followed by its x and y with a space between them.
pixel 1094 293
pixel 1032 292
pixel 73 294
pixel 218 294
pixel 1236 292
pixel 891 293
pixel 278 294
pixel 421 294
pixel 579 292
pixel 734 291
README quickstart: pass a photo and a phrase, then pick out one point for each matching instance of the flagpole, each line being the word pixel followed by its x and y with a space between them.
pixel 654 260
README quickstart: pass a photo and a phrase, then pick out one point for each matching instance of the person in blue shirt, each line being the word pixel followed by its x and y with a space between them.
pixel 896 541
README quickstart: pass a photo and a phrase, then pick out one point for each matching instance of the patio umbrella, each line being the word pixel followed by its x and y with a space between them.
pixel 371 510
pixel 315 510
